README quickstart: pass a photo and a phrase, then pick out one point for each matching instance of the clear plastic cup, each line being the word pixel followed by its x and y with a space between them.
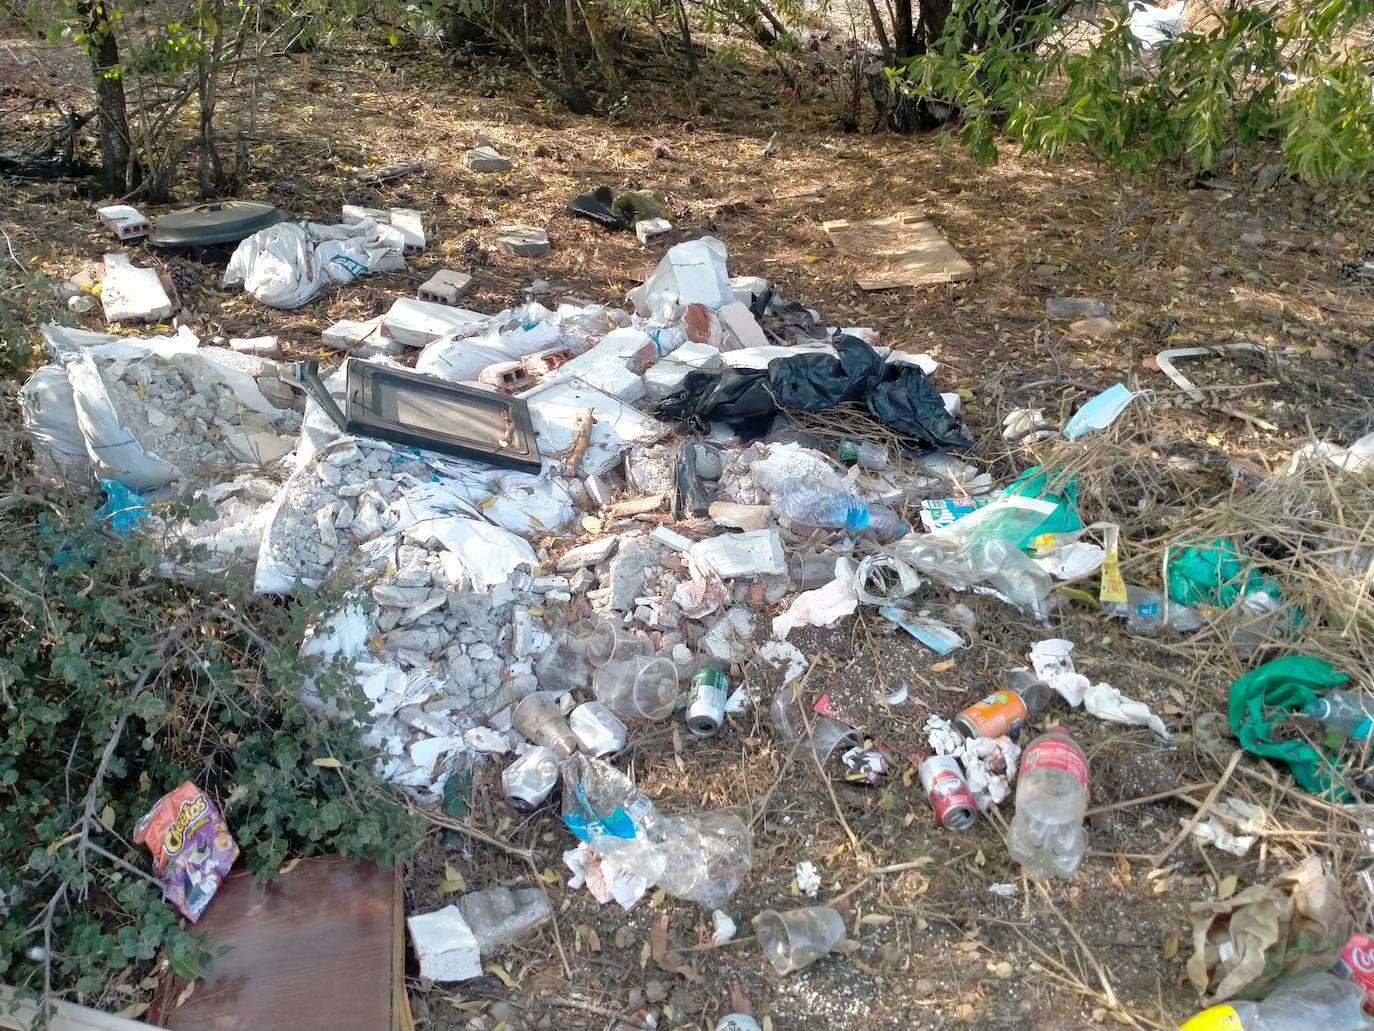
pixel 539 719
pixel 611 641
pixel 643 687
pixel 796 939
pixel 828 734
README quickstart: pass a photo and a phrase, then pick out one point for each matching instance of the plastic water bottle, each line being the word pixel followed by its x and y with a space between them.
pixel 1145 613
pixel 1316 1002
pixel 863 453
pixel 1348 713
pixel 825 506
pixel 1047 836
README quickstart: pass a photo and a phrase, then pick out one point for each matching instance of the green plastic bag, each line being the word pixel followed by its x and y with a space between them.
pixel 1215 573
pixel 1034 483
pixel 1285 684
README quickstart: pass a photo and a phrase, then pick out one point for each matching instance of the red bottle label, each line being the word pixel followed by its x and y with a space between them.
pixel 1356 964
pixel 1055 753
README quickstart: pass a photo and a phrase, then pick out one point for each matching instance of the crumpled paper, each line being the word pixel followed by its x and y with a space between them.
pixel 820 607
pixel 989 762
pixel 1053 662
pixel 1244 944
pixel 1107 703
pixel 606 876
pixel 1247 818
pixel 698 598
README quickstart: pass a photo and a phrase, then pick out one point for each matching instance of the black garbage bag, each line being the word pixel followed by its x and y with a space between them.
pixel 910 405
pixel 696 465
pixel 599 206
pixel 740 398
pixel 814 382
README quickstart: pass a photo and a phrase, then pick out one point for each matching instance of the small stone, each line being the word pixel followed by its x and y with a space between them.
pixel 1323 353
pixel 925 986
pixel 1093 329
pixel 1253 239
pixel 486 159
pixel 522 241
pixel 1066 308
pixel 590 554
pixel 481 652
pixel 1046 270
pixel 157 417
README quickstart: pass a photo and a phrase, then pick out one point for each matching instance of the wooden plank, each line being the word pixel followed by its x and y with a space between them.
pixel 318 949
pixel 899 250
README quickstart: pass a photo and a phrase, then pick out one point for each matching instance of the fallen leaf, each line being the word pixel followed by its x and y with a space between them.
pixel 689 972
pixel 875 919
pixel 739 1002
pixel 655 991
pixel 1124 865
pixel 593 939
pixel 979 859
pixel 134 1011
pixel 865 968
pixel 448 887
pixel 550 876
pixel 848 945
pixel 1171 946
pixel 107 816
pixel 1003 969
pixel 622 938
pixel 290 865
pixel 942 667
pixel 591 524
pixel 498 971
pixel 658 940
pixel 767 1023
pixel 1227 887
pixel 328 762
pixel 253 911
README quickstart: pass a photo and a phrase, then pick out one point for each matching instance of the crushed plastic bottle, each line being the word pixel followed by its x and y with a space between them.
pixel 1047 836
pixel 863 453
pixel 805 491
pixel 1347 713
pixel 1314 1002
pixel 1145 610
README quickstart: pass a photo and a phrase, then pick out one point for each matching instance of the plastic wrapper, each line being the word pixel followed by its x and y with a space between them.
pixel 192 848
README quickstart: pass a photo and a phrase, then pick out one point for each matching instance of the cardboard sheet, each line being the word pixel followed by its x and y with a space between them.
pixel 903 249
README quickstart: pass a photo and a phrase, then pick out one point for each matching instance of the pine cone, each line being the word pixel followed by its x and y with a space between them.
pixel 183 274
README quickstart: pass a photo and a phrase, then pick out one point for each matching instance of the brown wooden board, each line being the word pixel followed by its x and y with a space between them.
pixel 900 250
pixel 321 948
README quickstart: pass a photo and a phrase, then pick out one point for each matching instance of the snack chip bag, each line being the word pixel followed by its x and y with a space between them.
pixel 191 846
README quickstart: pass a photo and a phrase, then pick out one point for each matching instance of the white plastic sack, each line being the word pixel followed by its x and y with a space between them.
pixel 1153 26
pixel 690 273
pixel 287 264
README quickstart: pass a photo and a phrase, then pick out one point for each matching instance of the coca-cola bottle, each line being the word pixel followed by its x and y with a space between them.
pixel 1047 836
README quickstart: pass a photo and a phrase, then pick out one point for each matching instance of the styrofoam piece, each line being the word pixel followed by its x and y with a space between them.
pixel 127 221
pixel 652 230
pixel 741 327
pixel 416 323
pixel 954 404
pixel 444 287
pixel 499 916
pixel 750 554
pixel 446 946
pixel 349 335
pixel 132 294
pixel 555 408
pixel 607 365
pixel 759 357
pixel 748 288
pixel 266 347
pixel 406 221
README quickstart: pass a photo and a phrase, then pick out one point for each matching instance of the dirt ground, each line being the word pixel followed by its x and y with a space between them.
pixel 935 947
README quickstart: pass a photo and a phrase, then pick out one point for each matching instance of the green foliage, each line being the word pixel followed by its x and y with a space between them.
pixel 26 299
pixel 1219 84
pixel 101 656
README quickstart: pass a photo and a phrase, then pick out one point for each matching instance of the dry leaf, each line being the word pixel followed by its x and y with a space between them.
pixel 622 938
pixel 550 876
pixel 865 968
pixel 448 887
pixel 658 940
pixel 875 919
pixel 739 1002
pixel 184 995
pixel 644 956
pixel 655 991
pixel 767 1023
pixel 328 762
pixel 1227 887
pixel 1003 969
pixel 253 910
pixel 690 973
pixel 1124 865
pixel 288 866
pixel 1171 946
pixel 943 667
pixel 134 1011
pixel 847 946
pixel 107 816
pixel 593 939
pixel 452 873
pixel 498 971
pixel 591 524
pixel 979 859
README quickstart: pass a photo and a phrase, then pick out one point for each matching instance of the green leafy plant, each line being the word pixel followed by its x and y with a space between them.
pixel 1239 76
pixel 118 684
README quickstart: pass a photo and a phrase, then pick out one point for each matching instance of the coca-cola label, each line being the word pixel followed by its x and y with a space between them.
pixel 945 785
pixel 1055 753
pixel 997 714
pixel 1356 963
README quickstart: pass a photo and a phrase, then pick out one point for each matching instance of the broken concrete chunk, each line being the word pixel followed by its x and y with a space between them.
pixel 499 916
pixel 671 539
pixel 447 948
pixel 349 335
pixel 728 640
pixel 739 517
pixel 127 222
pixel 444 287
pixel 522 241
pixel 627 570
pixel 1067 308
pixel 262 447
pixel 741 328
pixel 486 159
pixel 608 365
pixel 668 374
pixel 132 294
pixel 265 347
pixel 746 555
pixel 589 554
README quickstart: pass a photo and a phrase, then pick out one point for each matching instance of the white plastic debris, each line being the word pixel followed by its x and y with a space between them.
pixel 1071 561
pixel 446 945
pixel 1247 818
pixel 1007 891
pixel 1357 459
pixel 989 763
pixel 1107 703
pixel 820 607
pixel 1020 424
pixel 779 653
pixel 406 221
pixel 690 273
pixel 607 877
pixel 416 323
pixel 132 294
pixel 724 927
pixel 1153 26
pixel 808 878
pixel 1099 412
pixel 288 264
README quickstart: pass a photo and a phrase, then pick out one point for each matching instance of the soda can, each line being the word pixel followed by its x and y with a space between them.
pixel 706 702
pixel 599 731
pixel 1356 964
pixel 997 714
pixel 529 781
pixel 943 780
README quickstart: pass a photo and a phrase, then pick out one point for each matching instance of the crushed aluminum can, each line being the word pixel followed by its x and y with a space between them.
pixel 949 794
pixel 529 781
pixel 706 702
pixel 599 731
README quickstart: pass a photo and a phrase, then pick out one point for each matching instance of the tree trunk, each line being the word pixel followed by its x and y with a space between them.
pixel 209 167
pixel 119 172
pixel 688 47
pixel 904 31
pixel 932 24
pixel 596 32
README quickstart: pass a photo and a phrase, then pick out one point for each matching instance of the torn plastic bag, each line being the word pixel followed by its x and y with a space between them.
pixel 597 206
pixel 815 382
pixel 287 264
pixel 910 405
pixel 693 464
pixel 739 398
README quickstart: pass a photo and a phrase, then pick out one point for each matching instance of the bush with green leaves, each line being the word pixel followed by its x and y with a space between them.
pixel 1241 75
pixel 118 684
